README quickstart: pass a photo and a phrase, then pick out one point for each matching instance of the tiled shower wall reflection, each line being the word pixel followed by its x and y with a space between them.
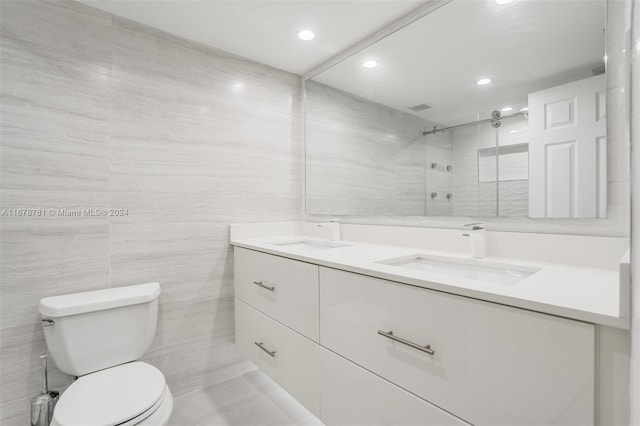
pixel 362 158
pixel 439 177
pixel 99 112
pixel 476 169
pixel 368 159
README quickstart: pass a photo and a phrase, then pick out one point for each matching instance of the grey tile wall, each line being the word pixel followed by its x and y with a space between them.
pixel 439 179
pixel 475 198
pixel 367 159
pixel 55 136
pixel 100 112
pixel 465 165
pixel 362 158
pixel 514 198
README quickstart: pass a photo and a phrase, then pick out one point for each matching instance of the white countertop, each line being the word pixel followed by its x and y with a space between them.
pixel 585 294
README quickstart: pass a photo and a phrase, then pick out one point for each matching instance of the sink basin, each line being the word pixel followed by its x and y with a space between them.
pixel 309 245
pixel 472 269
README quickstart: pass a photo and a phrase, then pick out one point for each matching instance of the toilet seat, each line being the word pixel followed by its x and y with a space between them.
pixel 124 395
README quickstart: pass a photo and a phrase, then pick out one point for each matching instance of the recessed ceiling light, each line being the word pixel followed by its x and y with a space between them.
pixel 503 1
pixel 369 64
pixel 306 35
pixel 506 109
pixel 237 87
pixel 513 131
pixel 525 109
pixel 483 81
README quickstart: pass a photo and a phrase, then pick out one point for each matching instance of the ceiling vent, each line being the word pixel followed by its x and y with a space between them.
pixel 420 107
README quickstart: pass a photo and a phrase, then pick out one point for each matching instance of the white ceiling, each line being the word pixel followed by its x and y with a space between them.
pixel 265 30
pixel 523 46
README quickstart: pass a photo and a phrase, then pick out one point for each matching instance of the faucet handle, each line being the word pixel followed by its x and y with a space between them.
pixel 476 226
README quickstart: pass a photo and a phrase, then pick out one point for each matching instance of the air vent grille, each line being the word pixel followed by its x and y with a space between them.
pixel 420 107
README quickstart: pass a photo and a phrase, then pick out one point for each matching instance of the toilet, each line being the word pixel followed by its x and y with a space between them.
pixel 98 336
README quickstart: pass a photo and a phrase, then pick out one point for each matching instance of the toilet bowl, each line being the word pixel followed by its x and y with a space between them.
pixel 98 336
pixel 130 394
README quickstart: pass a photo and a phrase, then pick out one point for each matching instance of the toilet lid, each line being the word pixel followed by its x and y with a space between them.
pixel 111 396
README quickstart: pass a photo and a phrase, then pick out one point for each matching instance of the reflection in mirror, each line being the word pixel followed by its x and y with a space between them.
pixel 362 158
pixel 476 109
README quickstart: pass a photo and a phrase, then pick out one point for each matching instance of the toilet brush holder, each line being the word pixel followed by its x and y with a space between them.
pixel 42 405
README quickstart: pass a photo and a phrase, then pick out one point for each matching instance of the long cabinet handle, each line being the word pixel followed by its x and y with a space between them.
pixel 261 284
pixel 389 335
pixel 272 354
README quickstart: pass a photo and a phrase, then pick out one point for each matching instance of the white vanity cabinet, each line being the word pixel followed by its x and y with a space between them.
pixel 351 395
pixel 277 318
pixel 287 357
pixel 353 349
pixel 284 289
pixel 487 363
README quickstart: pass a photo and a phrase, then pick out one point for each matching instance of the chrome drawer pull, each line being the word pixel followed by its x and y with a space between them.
pixel 272 354
pixel 260 284
pixel 390 335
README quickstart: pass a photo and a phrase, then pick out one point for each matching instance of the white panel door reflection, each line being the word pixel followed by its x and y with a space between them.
pixel 567 151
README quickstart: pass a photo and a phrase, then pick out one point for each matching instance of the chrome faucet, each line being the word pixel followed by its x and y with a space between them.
pixel 477 233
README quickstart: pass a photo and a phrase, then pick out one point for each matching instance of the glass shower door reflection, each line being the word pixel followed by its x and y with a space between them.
pixel 462 170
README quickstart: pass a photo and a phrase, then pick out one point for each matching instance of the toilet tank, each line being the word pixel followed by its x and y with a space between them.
pixel 91 331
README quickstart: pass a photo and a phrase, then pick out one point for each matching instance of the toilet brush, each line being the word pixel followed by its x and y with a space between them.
pixel 42 405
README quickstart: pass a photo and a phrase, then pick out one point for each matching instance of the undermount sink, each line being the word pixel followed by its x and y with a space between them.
pixel 472 269
pixel 309 245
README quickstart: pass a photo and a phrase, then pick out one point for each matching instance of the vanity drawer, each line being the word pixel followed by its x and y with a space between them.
pixel 351 395
pixel 491 364
pixel 287 357
pixel 284 289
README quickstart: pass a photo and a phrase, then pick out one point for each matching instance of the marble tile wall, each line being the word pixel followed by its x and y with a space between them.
pixel 439 174
pixel 366 159
pixel 363 158
pixel 466 189
pixel 513 168
pixel 514 198
pixel 99 112
pixel 476 192
pixel 54 155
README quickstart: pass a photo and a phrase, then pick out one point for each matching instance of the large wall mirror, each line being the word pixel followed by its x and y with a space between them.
pixel 479 108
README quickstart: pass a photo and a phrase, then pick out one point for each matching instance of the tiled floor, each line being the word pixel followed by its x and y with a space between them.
pixel 249 400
